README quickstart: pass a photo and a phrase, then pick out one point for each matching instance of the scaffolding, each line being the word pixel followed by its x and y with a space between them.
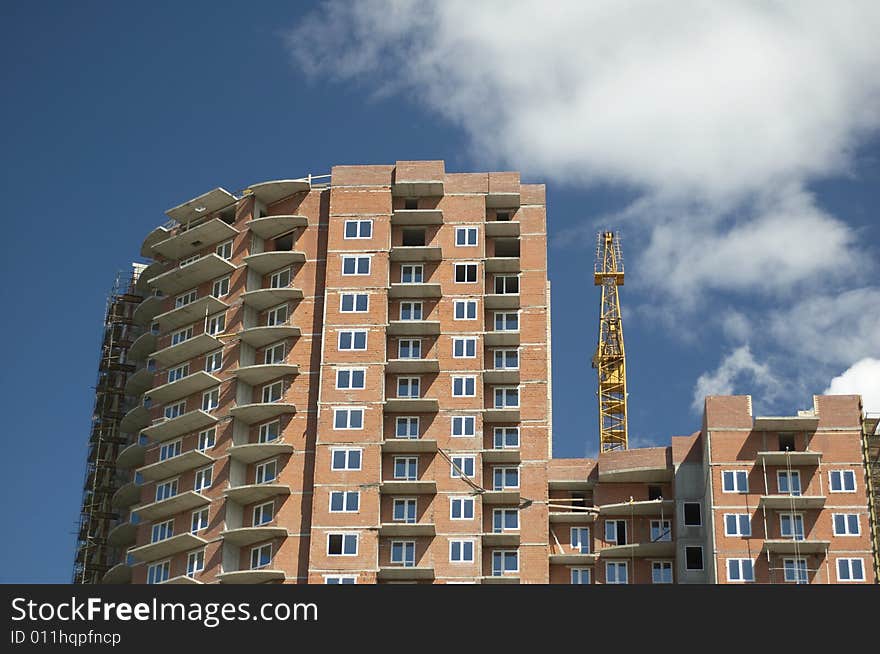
pixel 94 554
pixel 871 457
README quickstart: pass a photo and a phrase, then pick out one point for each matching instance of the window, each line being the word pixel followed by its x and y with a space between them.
pixel 181 335
pixel 162 531
pixel 277 315
pixel 580 576
pixel 506 397
pixel 216 324
pixel 655 493
pixel 463 425
pixel 737 524
pixel 272 392
pixel 351 378
pixel 465 236
pixel 403 552
pixel 693 557
pixel 506 321
pixel 412 274
pixel 169 450
pixel 274 353
pixel 220 287
pixel 465 309
pixel 280 279
pixel 358 228
pixel 158 572
pixel 409 348
pixel 411 203
pixel 340 579
pixel 505 520
pixel 406 467
pixel 464 386
pixel 789 483
pixel 407 427
pixel 580 539
pixel 846 524
pixel 507 359
pixel 199 520
pixel 348 418
pixel 791 525
pixel 505 562
pixel 178 373
pixel 465 273
pixel 342 544
pixel 615 532
pixel 186 298
pixel 213 361
pixel 661 572
pixel 462 466
pixel 850 570
pixel 506 437
pixel 407 387
pixel 740 570
pixel 410 310
pixel 195 562
pixel 266 472
pixel 166 489
pixel 354 302
pixel 355 265
pixel 735 481
pixel 261 556
pixel 263 514
pixel 842 481
pixel 795 570
pixel 504 477
pixel 464 348
pixel 461 551
pixel 224 250
pixel 207 439
pixel 353 340
pixel 507 284
pixel 189 260
pixel 345 459
pixel 661 531
pixel 692 514
pixel 204 478
pixel 344 501
pixel 269 431
pixel 174 410
pixel 211 400
pixel 786 442
pixel 461 508
pixel 404 510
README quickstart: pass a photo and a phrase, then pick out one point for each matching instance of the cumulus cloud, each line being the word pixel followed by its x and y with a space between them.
pixel 862 378
pixel 736 369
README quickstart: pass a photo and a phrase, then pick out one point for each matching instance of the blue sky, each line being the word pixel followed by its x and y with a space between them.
pixel 734 146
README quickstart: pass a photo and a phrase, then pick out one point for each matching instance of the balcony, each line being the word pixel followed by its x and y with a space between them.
pixel 502 301
pixel 664 548
pixel 175 465
pixel 265 262
pixel 502 265
pixel 158 235
pixel 412 405
pixel 262 373
pixel 190 313
pixel 244 536
pixel 403 366
pixel 135 420
pixel 573 558
pixel 417 217
pixel 181 580
pixel 501 338
pixel 123 534
pixel 501 579
pixel 413 327
pixel 258 337
pixel 624 472
pixel 278 189
pixel 407 529
pixel 645 507
pixel 501 497
pixel 403 573
pixel 127 495
pixel 260 576
pixel 413 188
pixel 186 501
pixel 251 493
pixel 132 456
pixel 266 298
pixel 253 452
pixel 407 445
pixel 168 547
pixel 153 270
pixel 118 574
pixel 186 350
pixel 140 382
pixel 794 502
pixel 183 387
pixel 501 415
pixel 416 253
pixel 142 346
pixel 145 312
pixel 501 539
pixel 502 199
pixel 793 458
pixel 502 455
pixel 182 278
pixel 400 290
pixel 807 422
pixel 269 227
pixel 573 517
pixel 195 239
pixel 502 228
pixel 501 376
pixel 190 421
pixel 251 414
pixel 203 205
pixel 408 487
pixel 791 546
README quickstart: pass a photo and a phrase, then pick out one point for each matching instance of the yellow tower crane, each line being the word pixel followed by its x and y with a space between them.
pixel 610 359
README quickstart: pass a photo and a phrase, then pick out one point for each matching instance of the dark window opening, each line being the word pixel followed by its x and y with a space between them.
pixel 655 492
pixel 506 247
pixel 693 558
pixel 692 517
pixel 284 242
pixel 578 499
pixel 411 203
pixel 334 545
pixel 413 237
pixel 786 442
pixel 502 216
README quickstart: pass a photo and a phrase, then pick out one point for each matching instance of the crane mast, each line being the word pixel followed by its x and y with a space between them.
pixel 610 359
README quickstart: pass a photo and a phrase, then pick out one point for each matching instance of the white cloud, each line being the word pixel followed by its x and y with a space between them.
pixel 737 371
pixel 862 378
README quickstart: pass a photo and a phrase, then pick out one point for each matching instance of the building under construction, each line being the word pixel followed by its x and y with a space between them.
pixel 347 379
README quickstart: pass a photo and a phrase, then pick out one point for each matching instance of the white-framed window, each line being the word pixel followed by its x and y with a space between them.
pixel 211 399
pixel 411 310
pixel 504 562
pixel 280 278
pixel 189 260
pixel 461 550
pixel 737 524
pixel 261 556
pixel 207 439
pixel 661 531
pixel 354 302
pixel 616 572
pixel 505 520
pixel 348 418
pixel 175 410
pixel 203 478
pixel 788 482
pixel 159 572
pixel 178 373
pixel 403 552
pixel 465 273
pixel 224 250
pixel 348 458
pixel 693 557
pixel 464 386
pixel 615 532
pixel 216 324
pixel 842 481
pixel 464 348
pixel 505 477
pixel 506 397
pixel 580 539
pixel 342 544
pixel 352 339
pixel 170 450
pixel 263 514
pixel 661 572
pixel 507 359
pixel 463 426
pixel 846 524
pixel 355 265
pixel 166 489
pixel 266 472
pixel 463 465
pixel 465 309
pixel 795 569
pixel 340 579
pixel 186 298
pixel 404 509
pixel 507 284
pixel 213 361
pixel 740 570
pixel 409 348
pixel 272 392
pixel 506 438
pixel 850 570
pixel 195 562
pixel 465 236
pixel 791 525
pixel 199 520
pixel 580 576
pixel 182 335
pixel 269 431
pixel 274 353
pixel 461 508
pixel 220 287
pixel 351 378
pixel 358 229
pixel 277 315
pixel 162 531
pixel 735 481
pixel 411 273
pixel 408 387
pixel 406 427
pixel 345 501
pixel 406 467
pixel 506 321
